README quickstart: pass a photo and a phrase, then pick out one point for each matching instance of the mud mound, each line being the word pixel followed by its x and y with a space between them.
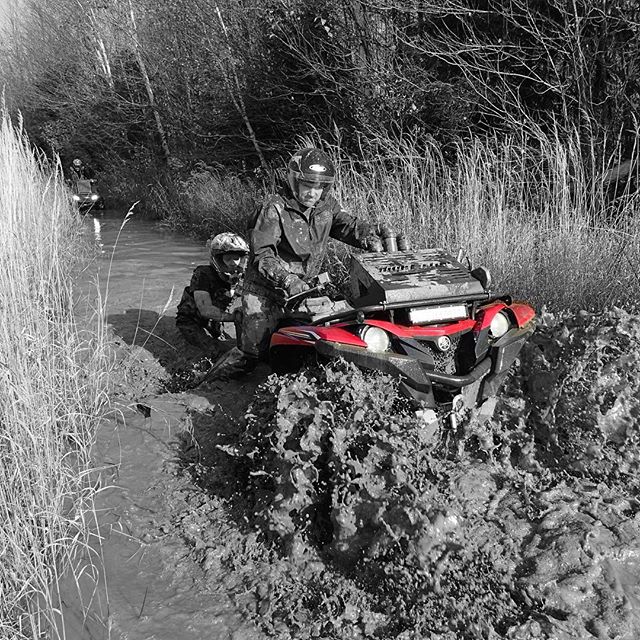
pixel 577 398
pixel 526 527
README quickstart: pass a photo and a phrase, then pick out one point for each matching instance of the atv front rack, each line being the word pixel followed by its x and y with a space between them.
pixel 408 277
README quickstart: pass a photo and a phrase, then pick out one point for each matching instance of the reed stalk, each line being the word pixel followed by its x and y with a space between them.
pixel 53 377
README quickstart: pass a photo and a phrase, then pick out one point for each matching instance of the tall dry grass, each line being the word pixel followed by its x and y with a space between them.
pixel 52 380
pixel 525 208
pixel 212 202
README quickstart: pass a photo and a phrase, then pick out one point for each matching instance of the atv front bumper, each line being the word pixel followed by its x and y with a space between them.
pixel 418 378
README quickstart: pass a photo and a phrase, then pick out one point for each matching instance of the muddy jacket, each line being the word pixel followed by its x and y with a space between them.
pixel 204 278
pixel 289 238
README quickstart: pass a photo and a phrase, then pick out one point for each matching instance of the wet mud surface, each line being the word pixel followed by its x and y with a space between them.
pixel 317 506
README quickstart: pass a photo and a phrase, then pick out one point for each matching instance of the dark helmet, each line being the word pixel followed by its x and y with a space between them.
pixel 311 165
pixel 228 244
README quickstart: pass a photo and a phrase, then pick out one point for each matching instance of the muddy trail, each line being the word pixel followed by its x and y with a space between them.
pixel 318 506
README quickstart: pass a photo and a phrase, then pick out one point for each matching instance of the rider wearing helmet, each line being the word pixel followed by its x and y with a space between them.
pixel 228 254
pixel 205 302
pixel 79 171
pixel 288 245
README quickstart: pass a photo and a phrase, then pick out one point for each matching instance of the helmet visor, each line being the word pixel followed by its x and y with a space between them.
pixel 315 180
pixel 314 184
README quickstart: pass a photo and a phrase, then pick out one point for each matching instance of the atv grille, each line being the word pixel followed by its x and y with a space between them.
pixel 444 360
pixel 414 267
pixel 444 270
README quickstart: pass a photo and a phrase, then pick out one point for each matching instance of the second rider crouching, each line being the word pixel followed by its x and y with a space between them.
pixel 206 302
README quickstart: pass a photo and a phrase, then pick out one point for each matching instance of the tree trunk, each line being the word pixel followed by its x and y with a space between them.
pixel 101 50
pixel 238 100
pixel 147 83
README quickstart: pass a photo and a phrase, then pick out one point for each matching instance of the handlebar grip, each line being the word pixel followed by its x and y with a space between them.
pixel 301 296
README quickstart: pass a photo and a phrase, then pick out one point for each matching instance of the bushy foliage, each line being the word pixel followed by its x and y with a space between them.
pixel 184 79
pixel 213 201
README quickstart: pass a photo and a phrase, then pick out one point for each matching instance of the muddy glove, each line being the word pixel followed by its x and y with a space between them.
pixel 294 285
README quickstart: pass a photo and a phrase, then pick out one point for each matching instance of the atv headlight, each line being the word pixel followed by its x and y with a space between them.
pixel 76 198
pixel 376 339
pixel 499 325
pixel 94 197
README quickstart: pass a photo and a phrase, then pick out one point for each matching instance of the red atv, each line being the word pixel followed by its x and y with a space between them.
pixel 420 315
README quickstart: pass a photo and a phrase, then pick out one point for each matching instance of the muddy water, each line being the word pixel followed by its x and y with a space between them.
pixel 140 581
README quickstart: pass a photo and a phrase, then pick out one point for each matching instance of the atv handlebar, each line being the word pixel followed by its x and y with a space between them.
pixel 321 280
pixel 299 297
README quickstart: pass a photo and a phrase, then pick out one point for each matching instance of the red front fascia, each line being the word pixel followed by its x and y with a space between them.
pixel 307 334
pixel 428 331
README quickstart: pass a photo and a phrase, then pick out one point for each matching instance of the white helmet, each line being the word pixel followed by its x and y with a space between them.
pixel 228 254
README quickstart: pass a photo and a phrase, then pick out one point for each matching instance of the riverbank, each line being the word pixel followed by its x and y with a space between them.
pixel 181 544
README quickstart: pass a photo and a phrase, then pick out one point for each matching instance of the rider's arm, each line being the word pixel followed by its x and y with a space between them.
pixel 265 238
pixel 350 229
pixel 208 310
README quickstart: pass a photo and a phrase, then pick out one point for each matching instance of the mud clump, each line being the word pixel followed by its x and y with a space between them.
pixel 581 397
pixel 525 527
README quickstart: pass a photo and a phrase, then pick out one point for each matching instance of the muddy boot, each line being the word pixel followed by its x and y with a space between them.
pixel 233 364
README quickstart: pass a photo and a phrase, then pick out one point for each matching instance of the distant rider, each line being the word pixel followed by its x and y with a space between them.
pixel 205 302
pixel 79 171
pixel 288 245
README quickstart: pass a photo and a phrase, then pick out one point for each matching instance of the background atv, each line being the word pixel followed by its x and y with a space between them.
pixel 86 195
pixel 420 315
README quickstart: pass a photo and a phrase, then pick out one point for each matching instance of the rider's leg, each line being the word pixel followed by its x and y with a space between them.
pixel 260 317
